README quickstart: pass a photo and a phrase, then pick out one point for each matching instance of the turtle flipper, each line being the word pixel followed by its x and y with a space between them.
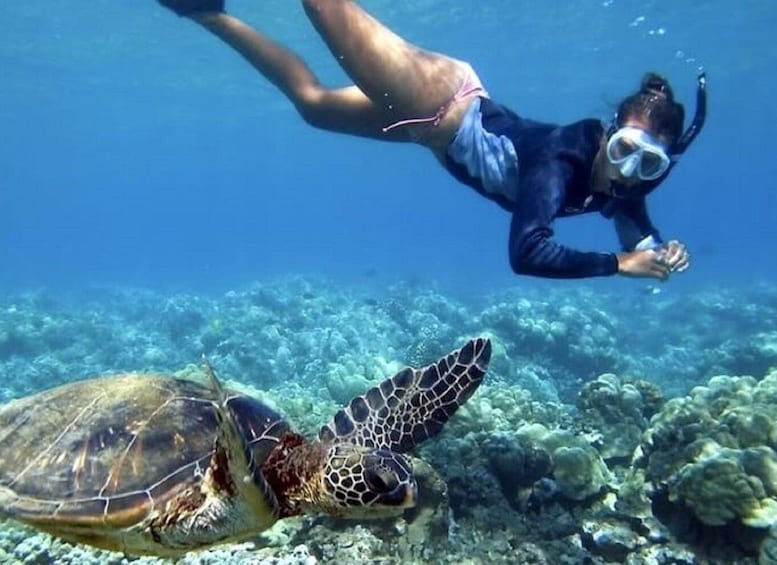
pixel 414 404
pixel 233 465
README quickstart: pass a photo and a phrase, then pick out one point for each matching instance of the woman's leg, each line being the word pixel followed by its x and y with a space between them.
pixel 403 79
pixel 345 110
pixel 394 79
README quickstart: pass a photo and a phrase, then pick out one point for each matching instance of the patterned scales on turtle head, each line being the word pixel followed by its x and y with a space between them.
pixel 364 472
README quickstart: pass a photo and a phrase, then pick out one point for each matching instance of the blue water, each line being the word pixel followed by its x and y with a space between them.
pixel 144 162
pixel 137 149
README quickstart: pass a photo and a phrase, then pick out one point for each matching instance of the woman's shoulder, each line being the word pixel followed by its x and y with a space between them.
pixel 581 139
pixel 588 130
pixel 568 151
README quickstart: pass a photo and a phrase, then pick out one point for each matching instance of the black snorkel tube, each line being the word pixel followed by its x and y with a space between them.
pixel 698 119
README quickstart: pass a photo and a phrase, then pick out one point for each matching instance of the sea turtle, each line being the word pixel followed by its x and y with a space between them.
pixel 152 464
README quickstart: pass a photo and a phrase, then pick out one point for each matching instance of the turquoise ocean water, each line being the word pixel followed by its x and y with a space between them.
pixel 137 149
pixel 159 200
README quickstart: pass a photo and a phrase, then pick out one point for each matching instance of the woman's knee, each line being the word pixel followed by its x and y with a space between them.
pixel 309 106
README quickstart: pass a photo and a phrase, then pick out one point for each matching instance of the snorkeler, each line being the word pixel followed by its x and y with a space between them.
pixel 536 171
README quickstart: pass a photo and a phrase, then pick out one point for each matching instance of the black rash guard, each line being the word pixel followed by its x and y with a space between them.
pixel 553 181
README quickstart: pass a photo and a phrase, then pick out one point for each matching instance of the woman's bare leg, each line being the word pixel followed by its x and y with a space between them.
pixel 406 81
pixel 394 79
pixel 345 110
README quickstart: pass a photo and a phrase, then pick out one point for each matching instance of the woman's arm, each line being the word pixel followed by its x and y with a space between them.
pixel 533 251
pixel 633 226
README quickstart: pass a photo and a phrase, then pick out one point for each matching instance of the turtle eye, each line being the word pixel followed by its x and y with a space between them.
pixel 381 479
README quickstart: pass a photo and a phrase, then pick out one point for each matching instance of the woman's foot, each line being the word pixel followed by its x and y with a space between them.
pixel 189 7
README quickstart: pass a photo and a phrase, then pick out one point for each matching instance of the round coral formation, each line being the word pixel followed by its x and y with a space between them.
pixel 713 451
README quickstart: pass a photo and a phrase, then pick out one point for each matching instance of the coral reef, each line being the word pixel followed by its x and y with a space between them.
pixel 577 467
pixel 599 435
pixel 619 412
pixel 713 451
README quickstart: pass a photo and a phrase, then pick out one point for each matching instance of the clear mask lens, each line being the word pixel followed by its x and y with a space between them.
pixel 652 164
pixel 622 149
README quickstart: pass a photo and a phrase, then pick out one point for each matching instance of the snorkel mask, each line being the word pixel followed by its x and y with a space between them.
pixel 636 152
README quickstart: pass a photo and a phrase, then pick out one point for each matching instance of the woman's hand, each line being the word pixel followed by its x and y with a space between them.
pixel 675 256
pixel 658 263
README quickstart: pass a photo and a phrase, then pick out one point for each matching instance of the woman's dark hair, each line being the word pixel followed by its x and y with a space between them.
pixel 655 104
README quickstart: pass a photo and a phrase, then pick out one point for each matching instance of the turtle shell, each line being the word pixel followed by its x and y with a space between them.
pixel 91 459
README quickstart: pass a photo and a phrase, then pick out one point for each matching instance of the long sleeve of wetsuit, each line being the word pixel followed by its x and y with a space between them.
pixel 533 251
pixel 633 224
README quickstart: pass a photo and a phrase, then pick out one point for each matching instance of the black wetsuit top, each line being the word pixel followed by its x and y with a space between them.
pixel 554 164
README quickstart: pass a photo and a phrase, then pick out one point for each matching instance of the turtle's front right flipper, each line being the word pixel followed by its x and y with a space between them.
pixel 414 404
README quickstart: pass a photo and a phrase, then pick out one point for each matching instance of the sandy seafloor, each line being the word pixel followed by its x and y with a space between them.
pixel 612 427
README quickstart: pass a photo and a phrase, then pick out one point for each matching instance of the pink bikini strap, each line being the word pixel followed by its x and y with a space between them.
pixel 468 87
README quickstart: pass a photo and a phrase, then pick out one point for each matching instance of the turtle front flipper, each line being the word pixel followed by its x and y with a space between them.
pixel 414 404
pixel 234 476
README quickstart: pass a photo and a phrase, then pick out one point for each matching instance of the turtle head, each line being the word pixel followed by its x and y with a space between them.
pixel 366 482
